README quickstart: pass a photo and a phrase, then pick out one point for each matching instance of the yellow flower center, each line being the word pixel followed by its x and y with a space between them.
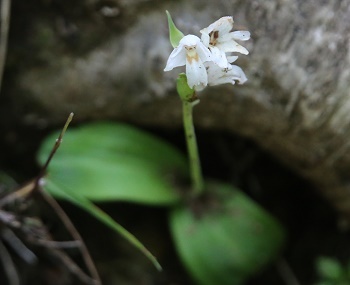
pixel 191 54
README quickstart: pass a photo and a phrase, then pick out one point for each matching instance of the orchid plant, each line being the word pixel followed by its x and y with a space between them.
pixel 216 247
pixel 208 59
pixel 224 242
pixel 208 62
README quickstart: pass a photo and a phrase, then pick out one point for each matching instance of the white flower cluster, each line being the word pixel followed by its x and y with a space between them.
pixel 208 60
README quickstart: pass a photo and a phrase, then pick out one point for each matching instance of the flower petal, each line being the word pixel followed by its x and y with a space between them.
pixel 189 40
pixel 232 46
pixel 214 72
pixel 241 35
pixel 236 73
pixel 197 77
pixel 205 38
pixel 203 52
pixel 219 57
pixel 231 58
pixel 232 37
pixel 217 76
pixel 218 35
pixel 223 26
pixel 176 58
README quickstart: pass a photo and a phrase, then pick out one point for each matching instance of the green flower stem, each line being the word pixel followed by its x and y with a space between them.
pixel 195 166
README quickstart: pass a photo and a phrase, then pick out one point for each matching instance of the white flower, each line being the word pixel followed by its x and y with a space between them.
pixel 218 75
pixel 192 53
pixel 218 38
pixel 208 60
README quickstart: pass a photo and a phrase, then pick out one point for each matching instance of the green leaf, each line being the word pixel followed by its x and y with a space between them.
pixel 109 161
pixel 226 237
pixel 92 209
pixel 185 92
pixel 175 34
pixel 329 268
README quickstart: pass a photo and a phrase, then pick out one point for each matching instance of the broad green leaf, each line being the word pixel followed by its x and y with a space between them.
pixel 93 210
pixel 110 161
pixel 329 268
pixel 175 34
pixel 225 237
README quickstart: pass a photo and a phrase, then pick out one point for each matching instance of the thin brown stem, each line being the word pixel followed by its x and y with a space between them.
pixel 18 246
pixel 55 148
pixel 60 212
pixel 286 272
pixel 35 187
pixel 75 234
pixel 9 266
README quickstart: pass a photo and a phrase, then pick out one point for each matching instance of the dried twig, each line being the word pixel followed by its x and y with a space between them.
pixel 75 234
pixel 74 268
pixel 286 272
pixel 58 244
pixel 9 266
pixel 60 212
pixel 18 246
pixel 35 187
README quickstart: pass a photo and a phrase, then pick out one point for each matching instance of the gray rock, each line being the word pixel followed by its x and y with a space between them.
pixel 295 104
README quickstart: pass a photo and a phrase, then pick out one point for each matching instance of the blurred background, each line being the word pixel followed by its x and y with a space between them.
pixel 282 137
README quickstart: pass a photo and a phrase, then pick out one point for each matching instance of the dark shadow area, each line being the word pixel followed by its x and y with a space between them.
pixel 310 222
